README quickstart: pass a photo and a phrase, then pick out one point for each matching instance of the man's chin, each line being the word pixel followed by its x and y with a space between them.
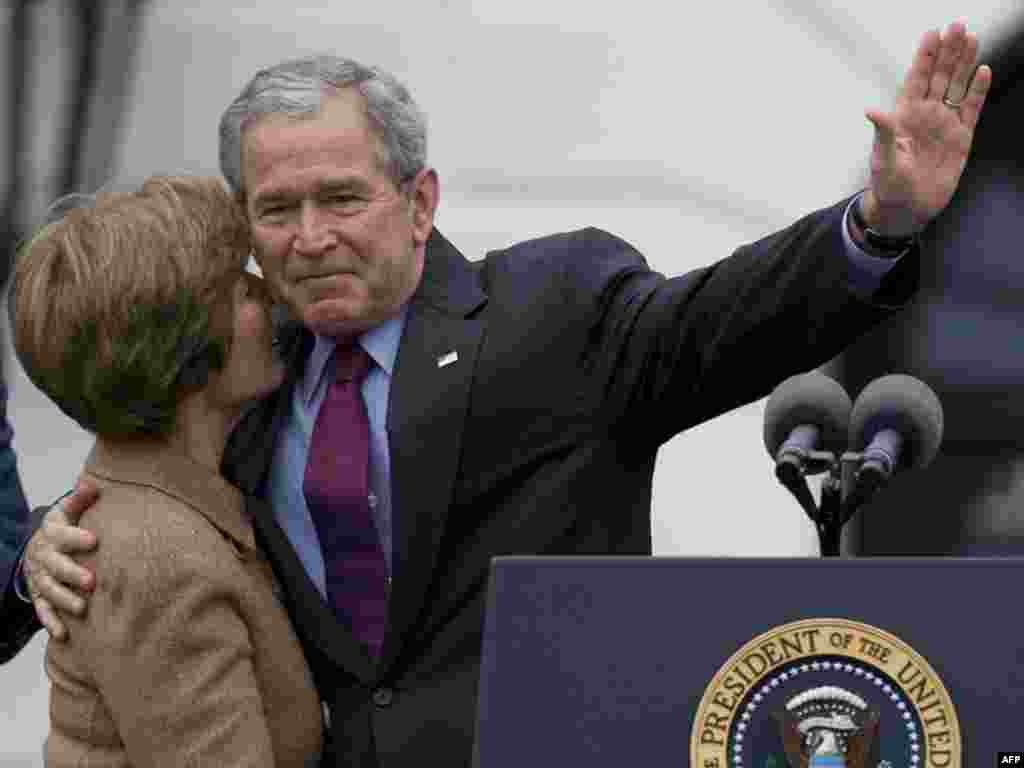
pixel 332 318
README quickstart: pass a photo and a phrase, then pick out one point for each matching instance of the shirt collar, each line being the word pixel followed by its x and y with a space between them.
pixel 380 343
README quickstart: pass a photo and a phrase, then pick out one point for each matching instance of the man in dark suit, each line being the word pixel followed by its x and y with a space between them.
pixel 510 405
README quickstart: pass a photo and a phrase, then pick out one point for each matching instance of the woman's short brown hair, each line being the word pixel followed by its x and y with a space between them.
pixel 115 305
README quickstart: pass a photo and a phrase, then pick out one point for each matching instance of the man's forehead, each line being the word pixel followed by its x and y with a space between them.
pixel 315 181
pixel 308 169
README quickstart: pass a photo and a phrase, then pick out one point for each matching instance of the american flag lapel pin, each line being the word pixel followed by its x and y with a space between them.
pixel 447 359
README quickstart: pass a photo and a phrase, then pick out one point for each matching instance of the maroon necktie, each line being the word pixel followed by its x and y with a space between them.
pixel 336 493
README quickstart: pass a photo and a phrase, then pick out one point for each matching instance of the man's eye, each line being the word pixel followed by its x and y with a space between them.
pixel 274 211
pixel 342 199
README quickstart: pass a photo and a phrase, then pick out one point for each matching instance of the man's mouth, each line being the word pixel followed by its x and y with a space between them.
pixel 324 275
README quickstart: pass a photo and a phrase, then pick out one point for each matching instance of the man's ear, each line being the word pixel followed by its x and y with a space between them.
pixel 424 194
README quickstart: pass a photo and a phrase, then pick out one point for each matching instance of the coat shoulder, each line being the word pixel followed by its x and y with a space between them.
pixel 142 530
pixel 580 245
pixel 579 263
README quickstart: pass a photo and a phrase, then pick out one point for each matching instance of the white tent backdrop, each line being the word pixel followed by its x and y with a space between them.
pixel 685 128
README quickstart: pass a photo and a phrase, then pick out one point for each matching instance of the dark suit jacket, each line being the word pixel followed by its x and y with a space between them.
pixel 575 363
pixel 13 508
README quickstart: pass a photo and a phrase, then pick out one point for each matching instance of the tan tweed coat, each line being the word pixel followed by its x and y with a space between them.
pixel 186 657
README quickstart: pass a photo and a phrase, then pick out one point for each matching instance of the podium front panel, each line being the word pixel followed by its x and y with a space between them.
pixel 608 661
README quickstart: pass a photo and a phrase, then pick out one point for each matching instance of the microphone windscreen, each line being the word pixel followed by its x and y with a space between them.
pixel 906 405
pixel 808 398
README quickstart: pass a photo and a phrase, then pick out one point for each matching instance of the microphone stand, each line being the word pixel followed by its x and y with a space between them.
pixel 829 519
pixel 841 497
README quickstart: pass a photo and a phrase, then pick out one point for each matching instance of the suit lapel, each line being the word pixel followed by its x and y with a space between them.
pixel 428 402
pixel 313 618
pixel 252 443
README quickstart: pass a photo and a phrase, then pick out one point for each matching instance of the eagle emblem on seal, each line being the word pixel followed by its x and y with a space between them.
pixel 828 727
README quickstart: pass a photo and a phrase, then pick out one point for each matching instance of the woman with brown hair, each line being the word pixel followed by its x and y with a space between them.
pixel 136 316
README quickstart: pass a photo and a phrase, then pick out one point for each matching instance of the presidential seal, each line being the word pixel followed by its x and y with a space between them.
pixel 826 692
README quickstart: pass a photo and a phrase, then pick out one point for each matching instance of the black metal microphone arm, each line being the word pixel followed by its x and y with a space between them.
pixel 851 482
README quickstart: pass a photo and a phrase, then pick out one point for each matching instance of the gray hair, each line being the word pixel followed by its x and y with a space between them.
pixel 297 87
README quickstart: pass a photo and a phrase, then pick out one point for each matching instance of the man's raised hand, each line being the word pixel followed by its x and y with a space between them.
pixel 921 146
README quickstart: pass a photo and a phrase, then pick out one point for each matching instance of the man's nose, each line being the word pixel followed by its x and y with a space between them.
pixel 314 236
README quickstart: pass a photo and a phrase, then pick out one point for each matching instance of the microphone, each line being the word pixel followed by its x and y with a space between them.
pixel 804 413
pixel 895 424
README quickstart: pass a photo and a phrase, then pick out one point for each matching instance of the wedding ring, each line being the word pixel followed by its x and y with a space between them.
pixel 950 103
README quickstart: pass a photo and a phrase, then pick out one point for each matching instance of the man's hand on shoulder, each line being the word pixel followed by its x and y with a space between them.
pixel 56 583
pixel 921 146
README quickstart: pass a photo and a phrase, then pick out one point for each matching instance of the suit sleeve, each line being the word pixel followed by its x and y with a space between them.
pixel 167 646
pixel 19 622
pixel 669 353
